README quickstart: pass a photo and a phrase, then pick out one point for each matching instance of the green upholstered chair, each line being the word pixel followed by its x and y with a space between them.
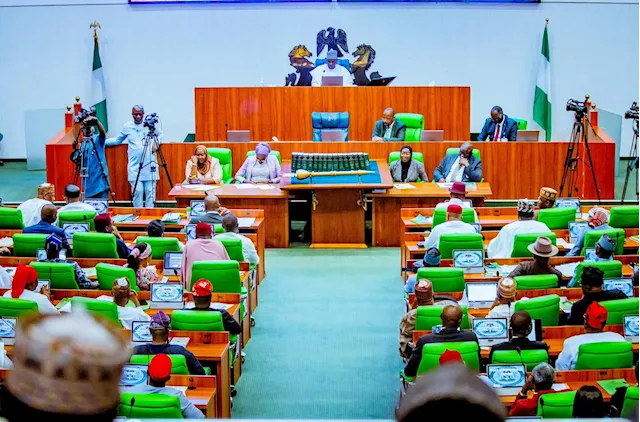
pixel 107 310
pixel 531 358
pixel 444 279
pixel 150 406
pixel 625 217
pixel 234 248
pixel 218 229
pixel 591 238
pixel 11 218
pixel 108 273
pixel 619 308
pixel 395 156
pixel 74 217
pixel 450 242
pixel 224 156
pixel 431 355
pixel 178 363
pixel 556 405
pixel 456 151
pixel 274 153
pixel 611 269
pixel 557 218
pixel 28 244
pixel 415 125
pixel 522 123
pixel 630 403
pixel 429 316
pixel 188 320
pixel 440 216
pixel 61 275
pixel 545 308
pixel 523 240
pixel 533 282
pixel 605 355
pixel 160 245
pixel 13 308
pixel 223 275
pixel 94 245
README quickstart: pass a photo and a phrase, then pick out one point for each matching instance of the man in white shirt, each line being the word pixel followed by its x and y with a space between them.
pixel 72 195
pixel 453 224
pixel 24 284
pixel 502 245
pixel 594 321
pixel 122 294
pixel 458 195
pixel 32 208
pixel 331 68
pixel 232 231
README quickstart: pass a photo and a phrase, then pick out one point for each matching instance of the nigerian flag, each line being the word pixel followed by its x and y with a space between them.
pixel 98 89
pixel 542 98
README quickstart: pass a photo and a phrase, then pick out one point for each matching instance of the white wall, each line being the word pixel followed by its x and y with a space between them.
pixel 155 55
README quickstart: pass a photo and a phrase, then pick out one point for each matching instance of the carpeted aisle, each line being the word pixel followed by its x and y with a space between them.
pixel 325 343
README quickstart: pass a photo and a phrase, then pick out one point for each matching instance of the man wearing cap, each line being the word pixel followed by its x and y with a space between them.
pixel 46 225
pixel 547 198
pixel 424 297
pixel 431 259
pixel 542 250
pixel 592 282
pixel 122 294
pixel 72 196
pixel 202 291
pixel 597 219
pixel 595 318
pixel 503 305
pixel 159 373
pixel 541 382
pixel 520 327
pixel 159 328
pixel 458 195
pixel 462 167
pixel 31 208
pixel 104 224
pixel 605 247
pixel 202 248
pixel 53 245
pixel 450 357
pixel 232 231
pixel 389 128
pixel 23 286
pixel 331 68
pixel 501 246
pixel 454 224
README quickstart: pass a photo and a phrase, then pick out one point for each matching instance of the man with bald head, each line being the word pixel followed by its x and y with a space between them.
pixel 520 328
pixel 48 215
pixel 212 212
pixel 499 127
pixel 232 231
pixel 389 128
pixel 460 167
pixel 451 320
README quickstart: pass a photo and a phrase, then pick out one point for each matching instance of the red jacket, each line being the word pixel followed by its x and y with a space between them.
pixel 528 406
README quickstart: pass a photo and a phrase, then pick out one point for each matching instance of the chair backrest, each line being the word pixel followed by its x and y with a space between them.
pixel 25 244
pixel 274 153
pixel 556 405
pixel 223 275
pixel 189 320
pixel 605 355
pixel 74 217
pixel 108 273
pixel 531 358
pixel 522 123
pixel 522 240
pixel 630 403
pixel 539 281
pixel 456 151
pixel 546 308
pixel 625 217
pixel 342 62
pixel 591 238
pixel 415 125
pixel 440 216
pixel 444 279
pixel 322 121
pixel 557 218
pixel 178 363
pixel 61 275
pixel 429 316
pixel 10 307
pixel 224 156
pixel 431 354
pixel 619 308
pixel 611 269
pixel 102 308
pixel 234 248
pixel 150 406
pixel 94 245
pixel 459 241
pixel 395 156
pixel 218 229
pixel 11 218
pixel 160 245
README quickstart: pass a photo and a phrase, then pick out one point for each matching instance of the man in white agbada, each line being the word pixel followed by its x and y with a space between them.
pixel 331 68
pixel 72 195
pixel 31 208
pixel 453 224
pixel 135 132
pixel 502 245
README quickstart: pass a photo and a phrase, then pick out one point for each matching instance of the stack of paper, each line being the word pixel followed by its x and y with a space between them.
pixel 568 269
pixel 246 221
pixel 90 272
pixel 202 188
pixel 243 186
pixel 124 218
pixel 6 242
pixel 566 245
pixel 403 186
pixel 421 219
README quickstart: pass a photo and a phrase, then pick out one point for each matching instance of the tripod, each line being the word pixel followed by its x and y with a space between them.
pixel 151 137
pixel 633 153
pixel 81 165
pixel 573 158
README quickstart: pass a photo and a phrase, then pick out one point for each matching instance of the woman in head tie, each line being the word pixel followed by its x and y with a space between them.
pixel 406 169
pixel 260 168
pixel 202 168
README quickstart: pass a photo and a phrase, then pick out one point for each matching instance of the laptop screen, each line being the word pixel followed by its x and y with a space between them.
pixel 7 327
pixel 133 375
pixel 468 259
pixel 41 254
pixel 490 328
pixel 166 292
pixel 536 330
pixel 569 203
pixel 507 375
pixel 172 260
pixel 590 254
pixel 576 228
pixel 481 292
pixel 197 208
pixel 101 206
pixel 623 284
pixel 70 228
pixel 631 325
pixel 190 230
pixel 140 331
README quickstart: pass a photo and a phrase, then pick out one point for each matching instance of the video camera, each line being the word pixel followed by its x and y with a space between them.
pixel 83 114
pixel 578 107
pixel 632 113
pixel 151 120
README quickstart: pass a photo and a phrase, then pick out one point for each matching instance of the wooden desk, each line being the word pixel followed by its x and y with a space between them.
pixel 201 392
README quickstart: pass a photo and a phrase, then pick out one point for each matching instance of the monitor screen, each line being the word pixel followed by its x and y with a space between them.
pixel 133 375
pixel 507 375
pixel 490 328
pixel 190 230
pixel 536 330
pixel 468 259
pixel 173 260
pixel 576 228
pixel 166 292
pixel 631 325
pixel 140 331
pixel 481 292
pixel 569 203
pixel 7 327
pixel 623 284
pixel 197 208
pixel 101 206
pixel 41 255
pixel 70 228
pixel 590 254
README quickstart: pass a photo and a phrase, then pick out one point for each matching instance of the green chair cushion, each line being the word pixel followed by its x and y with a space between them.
pixel 13 308
pixel 74 217
pixel 431 353
pixel 546 308
pixel 456 151
pixel 11 218
pixel 94 245
pixel 233 247
pixel 444 279
pixel 28 244
pixel 523 240
pixel 160 245
pixel 415 125
pixel 429 316
pixel 459 241
pixel 226 163
pixel 178 362
pixel 619 308
pixel 189 320
pixel 605 355
pixel 522 123
pixel 592 236
pixel 539 281
pixel 108 273
pixel 440 216
pixel 557 218
pixel 104 309
pixel 630 403
pixel 61 275
pixel 223 275
pixel 150 406
pixel 625 217
pixel 611 269
pixel 556 405
pixel 531 358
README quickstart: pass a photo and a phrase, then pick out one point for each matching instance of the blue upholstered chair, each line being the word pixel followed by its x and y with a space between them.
pixel 322 121
pixel 342 62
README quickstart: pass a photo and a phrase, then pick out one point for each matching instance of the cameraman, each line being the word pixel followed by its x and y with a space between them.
pixel 135 132
pixel 95 185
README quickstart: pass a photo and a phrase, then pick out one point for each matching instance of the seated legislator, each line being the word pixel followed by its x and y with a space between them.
pixel 424 297
pixel 213 213
pixel 104 224
pixel 31 208
pixel 72 196
pixel 595 318
pixel 53 245
pixel 520 327
pixel 232 231
pixel 406 169
pixel 202 248
pixel 202 168
pixel 431 258
pixel 24 284
pixel 503 306
pixel 499 127
pixel 155 228
pixel 605 246
pixel 464 167
pixel 541 382
pixel 454 224
pixel 139 260
pixel 547 198
pixel 597 219
pixel 542 250
pixel 46 225
pixel 451 320
pixel 389 128
pixel 592 282
pixel 501 246
pixel 122 294
pixel 159 329
pixel 331 68
pixel 457 195
pixel 260 168
pixel 202 291
pixel 589 404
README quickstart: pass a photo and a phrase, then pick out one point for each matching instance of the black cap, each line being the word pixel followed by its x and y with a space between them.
pixel 155 228
pixel 72 191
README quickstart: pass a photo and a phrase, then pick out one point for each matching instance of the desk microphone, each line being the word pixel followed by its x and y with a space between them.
pixel 226 129
pixel 521 360
pixel 131 403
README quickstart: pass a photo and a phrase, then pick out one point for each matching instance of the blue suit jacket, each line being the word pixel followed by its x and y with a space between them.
pixel 509 131
pixel 45 228
pixel 472 172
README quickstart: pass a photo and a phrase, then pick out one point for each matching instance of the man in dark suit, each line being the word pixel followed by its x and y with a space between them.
pixel 213 214
pixel 464 167
pixel 498 127
pixel 389 128
pixel 520 328
pixel 451 319
pixel 46 225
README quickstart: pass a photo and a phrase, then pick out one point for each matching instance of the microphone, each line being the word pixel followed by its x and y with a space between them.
pixel 521 360
pixel 133 400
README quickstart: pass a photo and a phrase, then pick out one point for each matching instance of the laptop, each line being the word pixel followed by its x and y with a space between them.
pixel 41 254
pixel 432 136
pixel 140 333
pixel 197 207
pixel 238 135
pixel 190 231
pixel 570 203
pixel 172 263
pixel 332 81
pixel 166 296
pixel 631 328
pixel 133 375
pixel 490 331
pixel 336 135
pixel 590 254
pixel 507 379
pixel 576 228
pixel 623 284
pixel 8 330
pixel 481 295
pixel 536 330
pixel 70 228
pixel 100 205
pixel 528 135
pixel 471 261
pixel 381 81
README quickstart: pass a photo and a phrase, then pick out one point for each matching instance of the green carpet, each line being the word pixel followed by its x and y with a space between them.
pixel 325 343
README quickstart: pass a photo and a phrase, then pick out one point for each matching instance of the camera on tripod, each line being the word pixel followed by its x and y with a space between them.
pixel 578 107
pixel 84 114
pixel 150 121
pixel 632 113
